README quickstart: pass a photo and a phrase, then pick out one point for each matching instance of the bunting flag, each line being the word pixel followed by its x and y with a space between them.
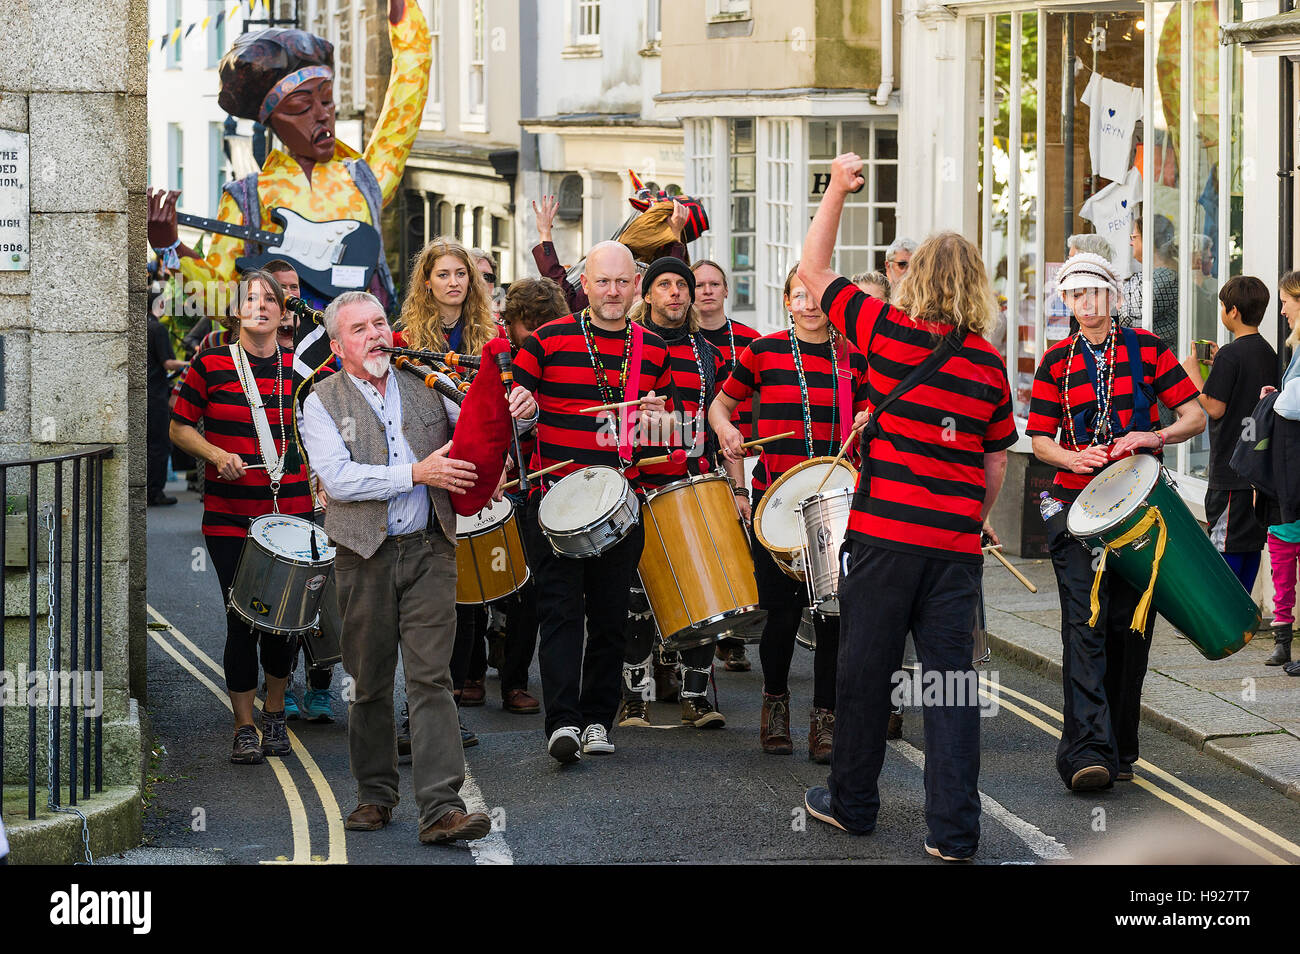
pixel 183 31
pixel 190 29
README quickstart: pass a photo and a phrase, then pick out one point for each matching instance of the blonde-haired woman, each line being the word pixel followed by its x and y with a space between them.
pixel 448 304
pixel 1284 536
pixel 932 465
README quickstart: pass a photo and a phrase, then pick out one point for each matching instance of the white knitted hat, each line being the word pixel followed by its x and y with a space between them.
pixel 1086 270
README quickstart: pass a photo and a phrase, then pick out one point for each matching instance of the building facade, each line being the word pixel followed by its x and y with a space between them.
pixel 768 92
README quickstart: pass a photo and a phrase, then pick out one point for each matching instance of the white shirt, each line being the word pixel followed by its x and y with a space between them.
pixel 1111 213
pixel 1115 110
pixel 346 480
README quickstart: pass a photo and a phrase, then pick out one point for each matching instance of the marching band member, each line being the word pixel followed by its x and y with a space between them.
pixel 932 466
pixel 1089 408
pixel 730 337
pixel 696 367
pixel 583 360
pixel 390 517
pixel 218 392
pixel 810 380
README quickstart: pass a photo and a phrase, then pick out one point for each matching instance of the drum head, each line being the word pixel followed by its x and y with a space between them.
pixel 778 524
pixel 1113 495
pixel 290 538
pixel 494 514
pixel 582 499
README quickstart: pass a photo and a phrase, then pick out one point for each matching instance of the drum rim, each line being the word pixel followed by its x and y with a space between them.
pixel 1134 461
pixel 528 575
pixel 684 482
pixel 824 495
pixel 709 621
pixel 291 561
pixel 274 631
pixel 756 522
pixel 627 490
pixel 491 528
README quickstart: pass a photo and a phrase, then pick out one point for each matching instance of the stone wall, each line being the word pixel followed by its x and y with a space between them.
pixel 73 76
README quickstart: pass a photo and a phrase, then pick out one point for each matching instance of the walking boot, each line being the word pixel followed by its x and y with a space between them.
pixel 1281 646
pixel 821 729
pixel 774 724
pixel 696 710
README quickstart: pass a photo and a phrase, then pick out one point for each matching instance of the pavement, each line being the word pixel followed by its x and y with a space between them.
pixel 1236 709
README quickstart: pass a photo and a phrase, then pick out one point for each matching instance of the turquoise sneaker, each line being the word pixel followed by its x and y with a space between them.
pixel 291 710
pixel 318 705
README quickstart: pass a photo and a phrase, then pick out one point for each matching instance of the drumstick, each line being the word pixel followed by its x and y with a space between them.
pixel 538 473
pixel 764 440
pixel 844 449
pixel 608 407
pixel 1014 572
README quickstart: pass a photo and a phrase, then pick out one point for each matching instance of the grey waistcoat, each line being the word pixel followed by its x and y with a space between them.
pixel 362 525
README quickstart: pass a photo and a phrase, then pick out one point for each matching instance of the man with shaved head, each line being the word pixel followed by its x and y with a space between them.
pixel 595 357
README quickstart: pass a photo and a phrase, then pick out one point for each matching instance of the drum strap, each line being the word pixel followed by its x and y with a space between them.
pixel 266 443
pixel 632 389
pixel 1152 518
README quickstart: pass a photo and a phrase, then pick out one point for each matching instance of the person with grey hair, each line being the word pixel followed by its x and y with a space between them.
pixel 1092 243
pixel 379 445
pixel 897 257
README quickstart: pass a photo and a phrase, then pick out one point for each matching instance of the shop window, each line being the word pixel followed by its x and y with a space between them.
pixel 433 105
pixel 868 224
pixel 780 225
pixel 743 183
pixel 700 181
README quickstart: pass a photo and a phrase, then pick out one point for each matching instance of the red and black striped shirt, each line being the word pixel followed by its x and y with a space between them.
pixel 688 397
pixel 211 394
pixel 1160 369
pixel 555 365
pixel 766 369
pixel 732 339
pixel 927 462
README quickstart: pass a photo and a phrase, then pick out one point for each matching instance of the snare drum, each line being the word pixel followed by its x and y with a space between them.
pixel 588 512
pixel 490 561
pixel 696 567
pixel 777 523
pixel 824 518
pixel 278 584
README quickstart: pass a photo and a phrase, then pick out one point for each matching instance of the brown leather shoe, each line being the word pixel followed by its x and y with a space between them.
pixel 821 728
pixel 516 700
pixel 369 818
pixel 666 685
pixel 774 725
pixel 473 693
pixel 456 824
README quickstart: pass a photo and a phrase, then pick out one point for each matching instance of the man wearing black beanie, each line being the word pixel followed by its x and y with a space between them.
pixel 668 309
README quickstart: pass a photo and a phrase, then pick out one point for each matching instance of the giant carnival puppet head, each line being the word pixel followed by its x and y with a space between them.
pixel 284 79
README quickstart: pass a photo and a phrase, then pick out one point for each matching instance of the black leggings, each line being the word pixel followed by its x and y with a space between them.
pixel 240 660
pixel 784 598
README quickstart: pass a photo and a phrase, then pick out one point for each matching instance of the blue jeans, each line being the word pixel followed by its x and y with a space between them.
pixel 884 594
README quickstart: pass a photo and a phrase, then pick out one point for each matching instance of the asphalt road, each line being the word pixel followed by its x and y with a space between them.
pixel 667 795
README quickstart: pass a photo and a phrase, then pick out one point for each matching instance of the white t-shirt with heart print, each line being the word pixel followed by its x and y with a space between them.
pixel 1111 213
pixel 1115 109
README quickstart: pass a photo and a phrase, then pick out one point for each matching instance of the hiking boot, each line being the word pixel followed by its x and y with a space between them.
pixel 696 711
pixel 821 728
pixel 736 661
pixel 247 749
pixel 635 712
pixel 275 733
pixel 774 725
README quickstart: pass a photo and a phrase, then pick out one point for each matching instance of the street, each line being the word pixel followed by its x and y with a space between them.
pixel 669 794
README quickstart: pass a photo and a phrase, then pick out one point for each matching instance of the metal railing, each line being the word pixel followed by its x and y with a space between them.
pixel 79 619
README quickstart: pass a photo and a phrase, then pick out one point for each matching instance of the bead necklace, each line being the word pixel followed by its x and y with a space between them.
pixel 1104 392
pixel 803 392
pixel 607 396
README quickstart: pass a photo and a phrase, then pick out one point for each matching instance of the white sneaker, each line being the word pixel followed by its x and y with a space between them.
pixel 564 746
pixel 595 741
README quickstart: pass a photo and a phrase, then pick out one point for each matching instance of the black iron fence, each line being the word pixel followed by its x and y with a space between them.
pixel 54 508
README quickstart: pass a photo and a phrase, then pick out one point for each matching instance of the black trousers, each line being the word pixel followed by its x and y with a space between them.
pixel 521 636
pixel 884 594
pixel 471 628
pixel 159 444
pixel 1103 665
pixel 240 660
pixel 784 598
pixel 581 677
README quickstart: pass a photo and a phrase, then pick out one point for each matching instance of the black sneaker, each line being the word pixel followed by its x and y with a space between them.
pixel 247 749
pixel 404 739
pixel 275 733
pixel 162 500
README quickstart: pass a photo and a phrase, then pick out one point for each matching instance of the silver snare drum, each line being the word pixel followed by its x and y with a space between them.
pixel 824 518
pixel 324 644
pixel 588 512
pixel 278 584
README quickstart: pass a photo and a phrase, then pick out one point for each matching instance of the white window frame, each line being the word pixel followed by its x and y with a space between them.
pixel 778 233
pixel 174 11
pixel 473 116
pixel 728 10
pixel 868 199
pixel 699 137
pixel 433 116
pixel 653 24
pixel 217 165
pixel 586 22
pixel 176 157
pixel 358 57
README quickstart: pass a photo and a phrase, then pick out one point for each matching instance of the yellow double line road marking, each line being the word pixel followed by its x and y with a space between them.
pixel 1146 784
pixel 297 810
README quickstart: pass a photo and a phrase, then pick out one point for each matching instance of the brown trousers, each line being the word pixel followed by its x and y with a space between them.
pixel 403 595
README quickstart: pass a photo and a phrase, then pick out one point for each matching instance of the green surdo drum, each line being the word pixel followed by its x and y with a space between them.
pixel 1132 514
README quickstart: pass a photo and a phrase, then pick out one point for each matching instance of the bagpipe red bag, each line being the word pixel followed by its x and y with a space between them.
pixel 482 434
